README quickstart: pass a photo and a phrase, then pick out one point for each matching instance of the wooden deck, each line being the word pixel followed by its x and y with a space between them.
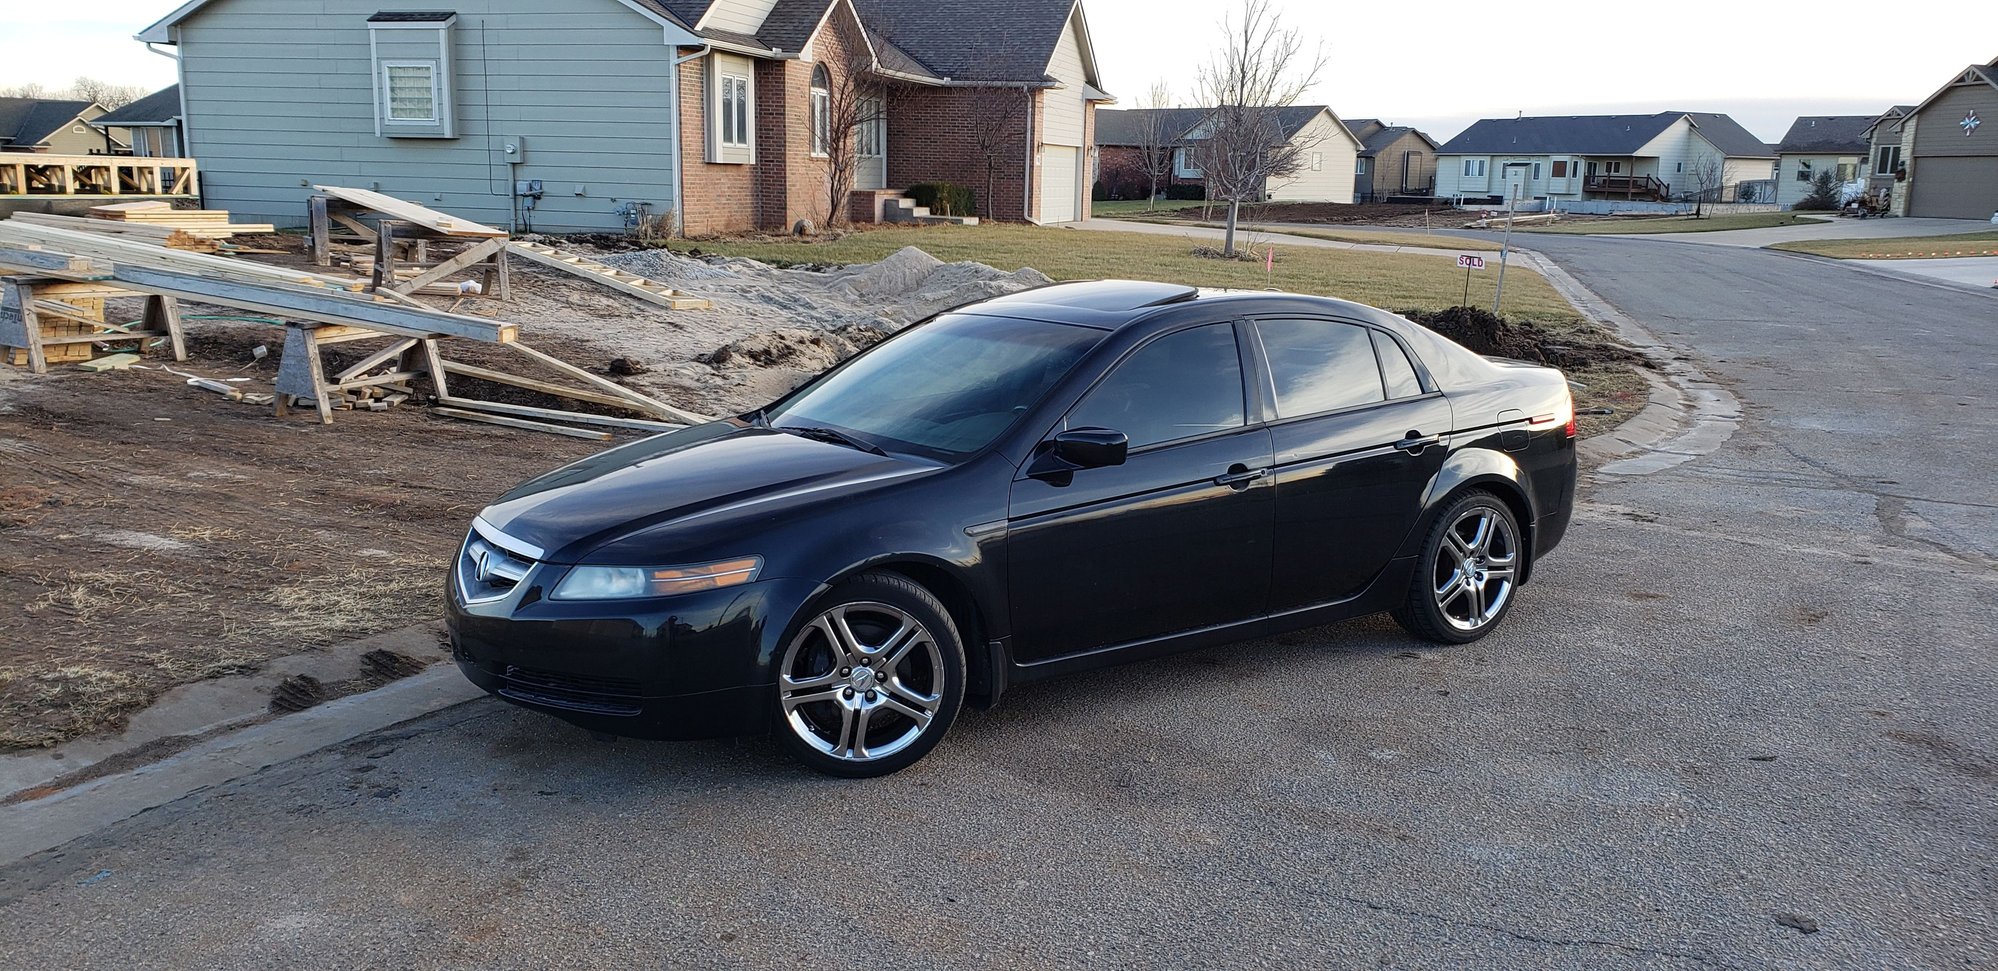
pixel 32 175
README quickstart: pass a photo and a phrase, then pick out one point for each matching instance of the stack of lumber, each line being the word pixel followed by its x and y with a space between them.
pixel 202 223
pixel 157 235
pixel 63 334
pixel 31 235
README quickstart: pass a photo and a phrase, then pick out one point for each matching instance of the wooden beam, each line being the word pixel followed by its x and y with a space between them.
pixel 376 359
pixel 650 291
pixel 428 218
pixel 22 257
pixel 314 305
pixel 644 402
pixel 525 411
pixel 478 253
pixel 592 435
pixel 515 380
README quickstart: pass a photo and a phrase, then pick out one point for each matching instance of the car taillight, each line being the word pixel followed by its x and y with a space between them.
pixel 1566 416
pixel 1570 427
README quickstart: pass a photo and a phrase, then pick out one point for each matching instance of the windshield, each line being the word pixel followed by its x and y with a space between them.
pixel 950 386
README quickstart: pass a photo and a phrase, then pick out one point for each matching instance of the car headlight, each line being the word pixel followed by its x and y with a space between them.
pixel 629 582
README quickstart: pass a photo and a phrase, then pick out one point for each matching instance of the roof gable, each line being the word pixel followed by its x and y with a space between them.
pixel 1727 135
pixel 1827 135
pixel 1130 126
pixel 30 121
pixel 974 42
pixel 159 108
pixel 1987 73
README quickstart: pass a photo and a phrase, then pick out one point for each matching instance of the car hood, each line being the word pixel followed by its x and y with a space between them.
pixel 717 469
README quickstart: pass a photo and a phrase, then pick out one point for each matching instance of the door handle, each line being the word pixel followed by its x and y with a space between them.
pixel 1238 476
pixel 1416 442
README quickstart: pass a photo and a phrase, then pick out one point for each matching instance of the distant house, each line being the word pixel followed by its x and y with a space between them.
pixel 1950 145
pixel 51 126
pixel 1820 143
pixel 1124 135
pixel 1329 151
pixel 151 125
pixel 1394 160
pixel 595 114
pixel 1883 139
pixel 1654 157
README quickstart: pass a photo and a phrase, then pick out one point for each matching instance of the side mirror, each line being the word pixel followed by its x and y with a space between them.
pixel 1091 448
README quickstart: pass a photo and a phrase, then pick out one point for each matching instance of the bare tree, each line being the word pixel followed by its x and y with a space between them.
pixel 1260 69
pixel 111 96
pixel 998 120
pixel 847 119
pixel 29 90
pixel 1156 137
pixel 1706 176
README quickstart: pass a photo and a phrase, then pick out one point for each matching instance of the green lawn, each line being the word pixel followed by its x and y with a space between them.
pixel 1391 280
pixel 1675 224
pixel 1125 208
pixel 1904 248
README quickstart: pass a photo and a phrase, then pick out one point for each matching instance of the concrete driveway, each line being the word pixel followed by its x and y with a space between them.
pixel 1744 717
pixel 1976 271
pixel 1834 228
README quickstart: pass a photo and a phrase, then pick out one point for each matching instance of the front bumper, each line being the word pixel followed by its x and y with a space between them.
pixel 698 665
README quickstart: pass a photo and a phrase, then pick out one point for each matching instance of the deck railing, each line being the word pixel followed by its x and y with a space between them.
pixel 31 174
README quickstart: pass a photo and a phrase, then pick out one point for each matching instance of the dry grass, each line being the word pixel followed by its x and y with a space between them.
pixel 66 702
pixel 1379 279
pixel 1904 248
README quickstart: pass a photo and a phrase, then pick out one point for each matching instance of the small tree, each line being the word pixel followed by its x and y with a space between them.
pixel 1705 175
pixel 111 96
pixel 851 98
pixel 1825 192
pixel 998 118
pixel 1260 69
pixel 1156 138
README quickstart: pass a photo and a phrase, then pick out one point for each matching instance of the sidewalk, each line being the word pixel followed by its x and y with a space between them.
pixel 1829 229
pixel 1976 271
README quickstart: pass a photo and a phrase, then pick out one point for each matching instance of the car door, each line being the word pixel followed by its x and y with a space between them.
pixel 1177 537
pixel 1358 434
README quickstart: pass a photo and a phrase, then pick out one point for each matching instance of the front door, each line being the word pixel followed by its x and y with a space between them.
pixel 1177 538
pixel 870 145
pixel 1358 436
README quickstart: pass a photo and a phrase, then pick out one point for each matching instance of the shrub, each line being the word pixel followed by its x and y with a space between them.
pixel 1824 194
pixel 1185 191
pixel 944 198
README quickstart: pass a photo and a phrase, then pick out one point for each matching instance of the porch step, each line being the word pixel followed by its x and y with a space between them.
pixel 902 209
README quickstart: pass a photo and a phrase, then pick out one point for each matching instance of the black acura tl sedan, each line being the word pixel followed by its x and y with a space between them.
pixel 1069 477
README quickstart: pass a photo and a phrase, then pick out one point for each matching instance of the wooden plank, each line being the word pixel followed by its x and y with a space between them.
pixel 650 291
pixel 515 380
pixel 164 312
pixel 472 255
pixel 376 359
pixel 396 377
pixel 423 216
pixel 25 258
pixel 321 306
pixel 526 411
pixel 643 402
pixel 24 295
pixel 595 436
pixel 321 225
pixel 113 249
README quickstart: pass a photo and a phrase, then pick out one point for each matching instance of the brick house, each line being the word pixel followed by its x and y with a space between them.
pixel 605 112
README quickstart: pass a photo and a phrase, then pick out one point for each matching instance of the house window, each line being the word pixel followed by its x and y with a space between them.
pixel 409 90
pixel 1613 168
pixel 1536 171
pixel 410 54
pixel 1679 167
pixel 871 134
pixel 1317 161
pixel 1182 165
pixel 734 110
pixel 1474 168
pixel 1561 168
pixel 821 110
pixel 1847 171
pixel 1803 171
pixel 1887 160
pixel 1360 166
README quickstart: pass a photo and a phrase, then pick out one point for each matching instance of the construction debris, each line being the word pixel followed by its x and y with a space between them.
pixel 114 362
pixel 650 291
pixel 203 223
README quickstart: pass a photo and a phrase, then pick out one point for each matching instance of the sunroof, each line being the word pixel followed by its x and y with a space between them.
pixel 1108 296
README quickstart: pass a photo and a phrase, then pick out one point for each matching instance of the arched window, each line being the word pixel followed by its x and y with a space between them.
pixel 821 109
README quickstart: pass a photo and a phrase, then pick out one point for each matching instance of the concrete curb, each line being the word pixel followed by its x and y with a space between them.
pixel 1688 415
pixel 32 827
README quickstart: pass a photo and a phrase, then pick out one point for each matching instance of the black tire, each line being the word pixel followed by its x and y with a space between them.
pixel 833 710
pixel 1462 611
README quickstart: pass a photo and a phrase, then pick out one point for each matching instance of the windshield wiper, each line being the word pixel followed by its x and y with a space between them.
pixel 835 436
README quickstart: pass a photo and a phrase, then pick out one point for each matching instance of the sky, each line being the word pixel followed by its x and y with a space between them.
pixel 1446 64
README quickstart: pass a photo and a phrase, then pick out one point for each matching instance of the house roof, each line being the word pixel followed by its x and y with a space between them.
pixel 30 121
pixel 162 107
pixel 959 43
pixel 1128 126
pixel 1726 134
pixel 1598 135
pixel 791 23
pixel 1988 73
pixel 1384 135
pixel 1827 135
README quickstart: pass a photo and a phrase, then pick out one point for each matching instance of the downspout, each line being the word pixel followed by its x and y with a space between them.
pixel 1027 183
pixel 680 139
pixel 186 147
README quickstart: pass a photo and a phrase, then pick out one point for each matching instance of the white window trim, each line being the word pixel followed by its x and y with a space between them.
pixel 436 118
pixel 1475 168
pixel 725 82
pixel 874 121
pixel 821 121
pixel 1317 161
pixel 1360 166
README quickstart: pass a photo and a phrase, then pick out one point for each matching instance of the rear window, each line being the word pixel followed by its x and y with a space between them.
pixel 1320 365
pixel 1399 373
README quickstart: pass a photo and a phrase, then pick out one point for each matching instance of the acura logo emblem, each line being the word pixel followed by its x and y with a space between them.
pixel 482 565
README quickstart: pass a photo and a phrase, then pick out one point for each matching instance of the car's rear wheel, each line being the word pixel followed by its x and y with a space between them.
pixel 872 679
pixel 1467 574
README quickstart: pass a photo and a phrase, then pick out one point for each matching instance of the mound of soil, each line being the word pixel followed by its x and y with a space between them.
pixel 1486 333
pixel 795 348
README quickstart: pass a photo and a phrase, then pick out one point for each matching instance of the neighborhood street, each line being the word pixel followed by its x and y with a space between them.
pixel 1742 718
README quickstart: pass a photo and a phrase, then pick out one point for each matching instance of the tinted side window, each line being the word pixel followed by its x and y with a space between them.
pixel 1179 386
pixel 1319 365
pixel 1400 374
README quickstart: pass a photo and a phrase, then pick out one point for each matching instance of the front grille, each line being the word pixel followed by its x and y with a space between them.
pixel 576 692
pixel 487 571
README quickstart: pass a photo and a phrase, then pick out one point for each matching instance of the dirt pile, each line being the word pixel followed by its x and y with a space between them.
pixel 796 348
pixel 1487 333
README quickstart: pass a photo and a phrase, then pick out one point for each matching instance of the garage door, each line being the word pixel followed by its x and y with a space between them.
pixel 1058 198
pixel 1954 188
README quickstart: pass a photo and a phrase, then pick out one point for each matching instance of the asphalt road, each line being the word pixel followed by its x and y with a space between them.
pixel 1744 717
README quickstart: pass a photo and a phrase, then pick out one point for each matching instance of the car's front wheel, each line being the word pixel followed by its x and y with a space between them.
pixel 872 680
pixel 1468 571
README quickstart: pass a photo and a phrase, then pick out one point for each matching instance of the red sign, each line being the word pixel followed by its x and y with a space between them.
pixel 1471 262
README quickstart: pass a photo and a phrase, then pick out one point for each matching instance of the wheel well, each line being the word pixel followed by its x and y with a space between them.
pixel 1509 493
pixel 963 609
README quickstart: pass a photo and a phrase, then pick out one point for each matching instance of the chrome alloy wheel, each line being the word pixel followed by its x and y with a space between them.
pixel 1476 567
pixel 861 682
